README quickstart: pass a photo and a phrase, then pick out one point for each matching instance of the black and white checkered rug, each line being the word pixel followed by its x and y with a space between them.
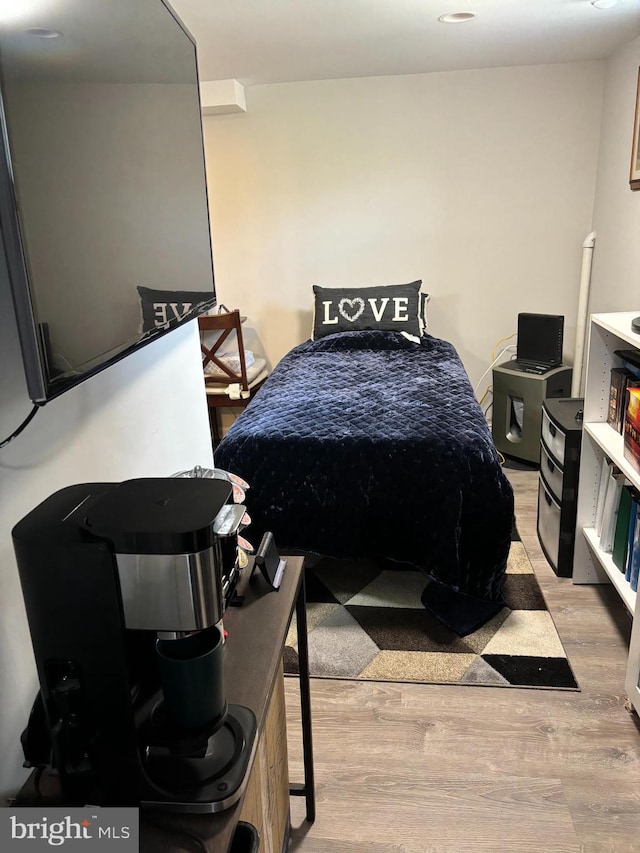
pixel 366 621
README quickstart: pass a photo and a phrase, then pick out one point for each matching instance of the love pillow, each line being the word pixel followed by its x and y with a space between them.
pixel 162 309
pixel 386 308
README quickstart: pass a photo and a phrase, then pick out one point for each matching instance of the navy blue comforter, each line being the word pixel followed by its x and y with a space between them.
pixel 364 444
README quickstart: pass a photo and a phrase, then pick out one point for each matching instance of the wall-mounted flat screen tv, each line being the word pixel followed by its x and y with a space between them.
pixel 103 200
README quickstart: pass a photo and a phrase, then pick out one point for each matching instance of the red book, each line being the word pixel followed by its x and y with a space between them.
pixel 632 428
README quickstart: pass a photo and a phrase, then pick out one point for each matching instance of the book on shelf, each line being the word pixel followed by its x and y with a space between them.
pixel 631 359
pixel 631 430
pixel 633 514
pixel 617 389
pixel 621 535
pixel 628 383
pixel 610 511
pixel 605 471
pixel 635 555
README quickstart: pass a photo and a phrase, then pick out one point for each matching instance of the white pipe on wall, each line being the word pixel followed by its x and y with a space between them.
pixel 583 307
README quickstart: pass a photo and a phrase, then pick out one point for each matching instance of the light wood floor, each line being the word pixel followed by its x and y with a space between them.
pixel 406 768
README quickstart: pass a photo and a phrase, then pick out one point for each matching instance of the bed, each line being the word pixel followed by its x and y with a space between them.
pixel 365 444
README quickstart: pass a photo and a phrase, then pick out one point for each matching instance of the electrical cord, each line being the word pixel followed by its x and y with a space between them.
pixel 511 348
pixel 494 358
pixel 488 390
pixel 22 426
pixel 502 340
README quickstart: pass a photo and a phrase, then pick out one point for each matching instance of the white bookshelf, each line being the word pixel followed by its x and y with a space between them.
pixel 613 573
pixel 600 443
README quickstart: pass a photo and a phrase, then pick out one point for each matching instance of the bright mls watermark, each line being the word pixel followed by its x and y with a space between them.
pixel 37 829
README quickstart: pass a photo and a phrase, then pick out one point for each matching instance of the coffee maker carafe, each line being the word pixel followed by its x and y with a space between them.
pixel 122 584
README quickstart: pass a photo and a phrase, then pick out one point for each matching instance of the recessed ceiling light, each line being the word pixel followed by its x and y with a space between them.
pixel 42 33
pixel 461 17
pixel 604 4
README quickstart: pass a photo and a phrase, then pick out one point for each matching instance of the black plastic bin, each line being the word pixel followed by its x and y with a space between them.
pixel 246 839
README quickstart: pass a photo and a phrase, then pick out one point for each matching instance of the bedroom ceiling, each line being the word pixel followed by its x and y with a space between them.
pixel 272 41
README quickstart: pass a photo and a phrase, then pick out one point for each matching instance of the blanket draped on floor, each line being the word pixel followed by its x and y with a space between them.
pixel 366 444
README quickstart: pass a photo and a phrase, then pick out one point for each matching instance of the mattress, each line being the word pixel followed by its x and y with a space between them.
pixel 366 444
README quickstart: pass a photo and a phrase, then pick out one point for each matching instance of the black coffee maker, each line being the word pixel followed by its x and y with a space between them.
pixel 122 584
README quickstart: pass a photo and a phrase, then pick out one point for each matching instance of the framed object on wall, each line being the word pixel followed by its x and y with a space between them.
pixel 634 174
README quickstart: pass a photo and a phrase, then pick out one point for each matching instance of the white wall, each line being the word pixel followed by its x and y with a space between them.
pixel 145 416
pixel 479 182
pixel 615 283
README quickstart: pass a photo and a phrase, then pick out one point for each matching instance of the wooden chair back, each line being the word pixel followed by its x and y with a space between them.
pixel 226 324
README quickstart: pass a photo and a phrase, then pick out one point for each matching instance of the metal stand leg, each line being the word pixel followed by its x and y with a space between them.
pixel 215 427
pixel 308 789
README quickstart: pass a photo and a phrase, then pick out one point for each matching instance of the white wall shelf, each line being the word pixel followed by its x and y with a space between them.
pixel 602 443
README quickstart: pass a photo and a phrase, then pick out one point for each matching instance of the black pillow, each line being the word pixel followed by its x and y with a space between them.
pixel 163 308
pixel 387 308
